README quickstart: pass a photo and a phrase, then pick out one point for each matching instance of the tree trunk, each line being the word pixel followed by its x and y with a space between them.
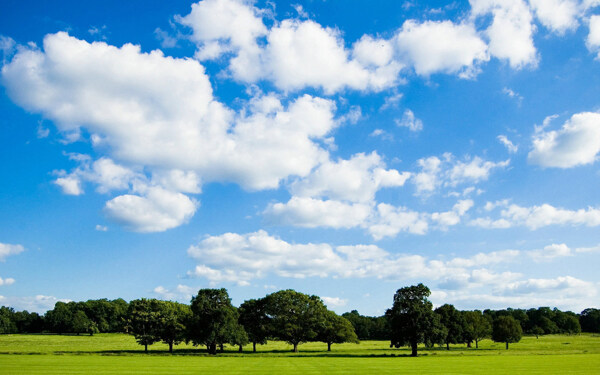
pixel 212 348
pixel 170 346
pixel 328 346
pixel 254 347
pixel 507 345
pixel 146 348
pixel 240 349
pixel 221 348
pixel 476 344
pixel 77 333
pixel 469 344
pixel 295 347
pixel 413 346
pixel 447 346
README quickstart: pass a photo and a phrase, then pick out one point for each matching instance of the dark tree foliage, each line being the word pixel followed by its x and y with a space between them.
pixel 478 327
pixel 336 330
pixel 173 318
pixel 144 321
pixel 214 320
pixel 7 324
pixel 590 320
pixel 253 317
pixel 82 324
pixel 412 319
pixel 60 319
pixel 369 327
pixel 506 329
pixel 295 317
pixel 454 322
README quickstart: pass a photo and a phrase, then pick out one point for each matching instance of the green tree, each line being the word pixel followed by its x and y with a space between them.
pixel 143 322
pixel 214 320
pixel 60 319
pixel 253 317
pixel 173 317
pixel 478 327
pixel 506 329
pixel 7 323
pixel 454 322
pixel 81 323
pixel 336 330
pixel 590 320
pixel 411 317
pixel 294 317
pixel 537 331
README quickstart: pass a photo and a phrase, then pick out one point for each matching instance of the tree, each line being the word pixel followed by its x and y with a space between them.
pixel 478 327
pixel 537 331
pixel 82 324
pixel 214 320
pixel 411 318
pixel 172 318
pixel 60 319
pixel 506 329
pixel 454 322
pixel 7 324
pixel 294 317
pixel 336 330
pixel 590 320
pixel 144 321
pixel 254 318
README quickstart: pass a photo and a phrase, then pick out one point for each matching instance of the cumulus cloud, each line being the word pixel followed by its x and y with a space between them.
pixel 333 302
pixel 7 249
pixel 155 211
pixel 311 213
pixel 181 293
pixel 511 147
pixel 356 179
pixel 410 121
pixel 576 143
pixel 511 31
pixel 39 303
pixel 448 171
pixel 535 217
pixel 593 39
pixel 557 15
pixel 441 47
pixel 7 281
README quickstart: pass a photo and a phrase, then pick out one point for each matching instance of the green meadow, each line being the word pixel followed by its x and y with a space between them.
pixel 120 354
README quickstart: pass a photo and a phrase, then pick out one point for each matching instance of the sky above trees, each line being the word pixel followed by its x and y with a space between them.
pixel 338 148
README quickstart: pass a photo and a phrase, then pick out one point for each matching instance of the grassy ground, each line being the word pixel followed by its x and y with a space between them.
pixel 119 354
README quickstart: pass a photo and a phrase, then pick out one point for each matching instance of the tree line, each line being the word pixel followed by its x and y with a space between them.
pixel 210 320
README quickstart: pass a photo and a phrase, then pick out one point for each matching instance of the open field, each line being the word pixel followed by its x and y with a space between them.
pixel 119 354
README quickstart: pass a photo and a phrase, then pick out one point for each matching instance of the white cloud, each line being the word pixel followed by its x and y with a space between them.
pixel 311 213
pixel 391 220
pixel 7 281
pixel 181 293
pixel 511 147
pixel 410 121
pixel 550 252
pixel 39 303
pixel 7 249
pixel 449 171
pixel 511 31
pixel 333 302
pixel 101 228
pixel 474 170
pixel 485 259
pixel 453 217
pixel 305 54
pixel 441 47
pixel 593 39
pixel 557 15
pixel 535 217
pixel 356 179
pixel 512 94
pixel 155 211
pixel 576 143
pixel 564 284
pixel 70 185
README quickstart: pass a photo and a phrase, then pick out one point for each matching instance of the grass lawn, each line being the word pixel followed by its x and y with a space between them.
pixel 119 354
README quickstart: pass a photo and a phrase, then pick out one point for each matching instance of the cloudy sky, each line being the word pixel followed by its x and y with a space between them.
pixel 341 148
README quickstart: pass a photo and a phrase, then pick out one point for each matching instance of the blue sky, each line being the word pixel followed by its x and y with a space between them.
pixel 340 148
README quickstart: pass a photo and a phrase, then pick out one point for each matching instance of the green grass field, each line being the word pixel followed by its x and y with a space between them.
pixel 119 354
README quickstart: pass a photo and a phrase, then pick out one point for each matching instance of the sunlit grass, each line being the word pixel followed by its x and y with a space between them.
pixel 118 353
